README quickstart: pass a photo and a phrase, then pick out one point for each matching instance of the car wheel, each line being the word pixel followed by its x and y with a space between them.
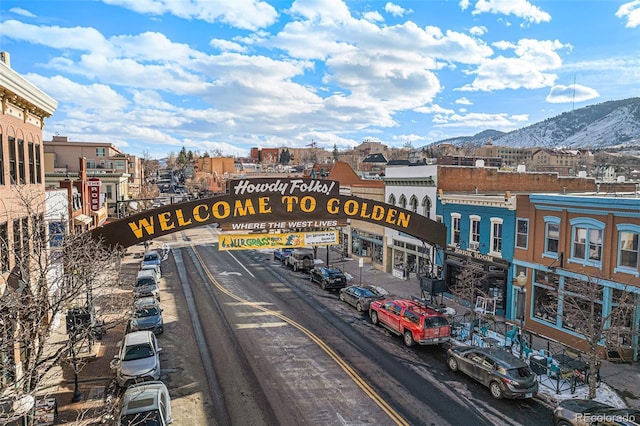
pixel 307 263
pixel 359 307
pixel 496 390
pixel 295 267
pixel 342 297
pixel 563 423
pixel 374 317
pixel 452 363
pixel 408 338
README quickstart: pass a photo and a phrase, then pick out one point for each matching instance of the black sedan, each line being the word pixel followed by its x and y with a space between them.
pixel 360 297
pixel 506 375
pixel 328 278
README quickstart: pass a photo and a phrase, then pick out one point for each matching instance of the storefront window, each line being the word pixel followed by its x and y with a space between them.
pixel 582 306
pixel 545 296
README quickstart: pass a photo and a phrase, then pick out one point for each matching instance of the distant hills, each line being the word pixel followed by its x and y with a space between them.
pixel 608 124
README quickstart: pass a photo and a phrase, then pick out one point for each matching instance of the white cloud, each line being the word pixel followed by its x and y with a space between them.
pixel 463 101
pixel 434 109
pixel 520 8
pixel 464 4
pixel 227 46
pixel 373 16
pixel 245 14
pixel 572 93
pixel 478 31
pixel 22 12
pixel 528 69
pixel 479 120
pixel 630 11
pixel 395 10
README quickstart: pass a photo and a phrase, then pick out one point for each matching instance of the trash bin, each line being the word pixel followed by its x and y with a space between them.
pixel 538 364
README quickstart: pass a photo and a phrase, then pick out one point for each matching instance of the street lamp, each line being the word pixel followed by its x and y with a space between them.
pixel 521 297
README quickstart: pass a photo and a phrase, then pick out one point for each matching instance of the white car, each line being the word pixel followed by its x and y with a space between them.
pixel 146 404
pixel 138 360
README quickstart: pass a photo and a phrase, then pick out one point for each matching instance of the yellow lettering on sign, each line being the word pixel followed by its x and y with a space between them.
pixel 333 205
pixel 221 210
pixel 165 221
pixel 391 216
pixel 242 210
pixel 377 213
pixel 403 219
pixel 363 212
pixel 351 208
pixel 197 214
pixel 288 201
pixel 143 224
pixel 263 205
pixel 307 204
pixel 181 221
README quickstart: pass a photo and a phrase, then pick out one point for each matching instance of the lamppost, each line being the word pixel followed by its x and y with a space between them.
pixel 521 301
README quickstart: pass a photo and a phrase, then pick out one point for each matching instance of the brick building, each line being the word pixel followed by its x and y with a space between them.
pixel 591 238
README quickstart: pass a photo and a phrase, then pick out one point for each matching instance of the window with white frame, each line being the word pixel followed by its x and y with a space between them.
pixel 426 203
pixel 496 235
pixel 586 241
pixel 413 204
pixel 403 201
pixel 522 233
pixel 628 248
pixel 455 228
pixel 474 232
pixel 101 152
pixel 551 236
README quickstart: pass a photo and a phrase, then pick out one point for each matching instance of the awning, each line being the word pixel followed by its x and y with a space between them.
pixel 83 218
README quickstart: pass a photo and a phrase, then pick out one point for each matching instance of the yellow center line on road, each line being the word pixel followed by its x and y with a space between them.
pixel 359 381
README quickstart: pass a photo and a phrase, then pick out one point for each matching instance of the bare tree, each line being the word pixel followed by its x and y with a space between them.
pixel 582 303
pixel 51 274
pixel 467 286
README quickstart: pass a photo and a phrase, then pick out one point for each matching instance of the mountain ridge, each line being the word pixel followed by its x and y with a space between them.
pixel 607 124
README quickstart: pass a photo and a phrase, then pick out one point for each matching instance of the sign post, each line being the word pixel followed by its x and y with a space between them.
pixel 360 264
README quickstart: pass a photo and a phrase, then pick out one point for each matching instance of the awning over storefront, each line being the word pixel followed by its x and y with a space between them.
pixel 83 219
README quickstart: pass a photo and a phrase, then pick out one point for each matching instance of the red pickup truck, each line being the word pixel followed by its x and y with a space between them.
pixel 413 319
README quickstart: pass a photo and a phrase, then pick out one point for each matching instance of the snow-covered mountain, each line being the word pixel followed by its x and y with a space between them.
pixel 608 124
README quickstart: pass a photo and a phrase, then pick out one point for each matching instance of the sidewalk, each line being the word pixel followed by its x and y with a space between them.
pixel 622 378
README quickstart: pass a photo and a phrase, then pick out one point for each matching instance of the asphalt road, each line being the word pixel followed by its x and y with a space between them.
pixel 273 348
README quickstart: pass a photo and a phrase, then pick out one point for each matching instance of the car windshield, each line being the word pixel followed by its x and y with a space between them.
pixel 150 256
pixel 147 312
pixel 334 273
pixel 142 282
pixel 148 418
pixel 135 352
pixel 519 373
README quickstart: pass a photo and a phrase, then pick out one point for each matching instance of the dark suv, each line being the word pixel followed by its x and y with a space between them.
pixel 328 278
pixel 506 375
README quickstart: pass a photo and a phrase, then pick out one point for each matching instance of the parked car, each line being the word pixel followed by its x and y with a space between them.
pixel 147 404
pixel 360 297
pixel 506 375
pixel 151 257
pixel 147 315
pixel 301 259
pixel 282 254
pixel 155 268
pixel 146 285
pixel 587 412
pixel 413 319
pixel 328 278
pixel 138 359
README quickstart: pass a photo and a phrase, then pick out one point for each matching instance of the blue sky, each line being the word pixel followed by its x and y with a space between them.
pixel 153 76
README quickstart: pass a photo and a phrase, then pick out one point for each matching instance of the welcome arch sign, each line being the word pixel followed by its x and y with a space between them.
pixel 267 205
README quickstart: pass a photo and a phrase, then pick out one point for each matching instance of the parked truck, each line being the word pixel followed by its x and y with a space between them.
pixel 413 319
